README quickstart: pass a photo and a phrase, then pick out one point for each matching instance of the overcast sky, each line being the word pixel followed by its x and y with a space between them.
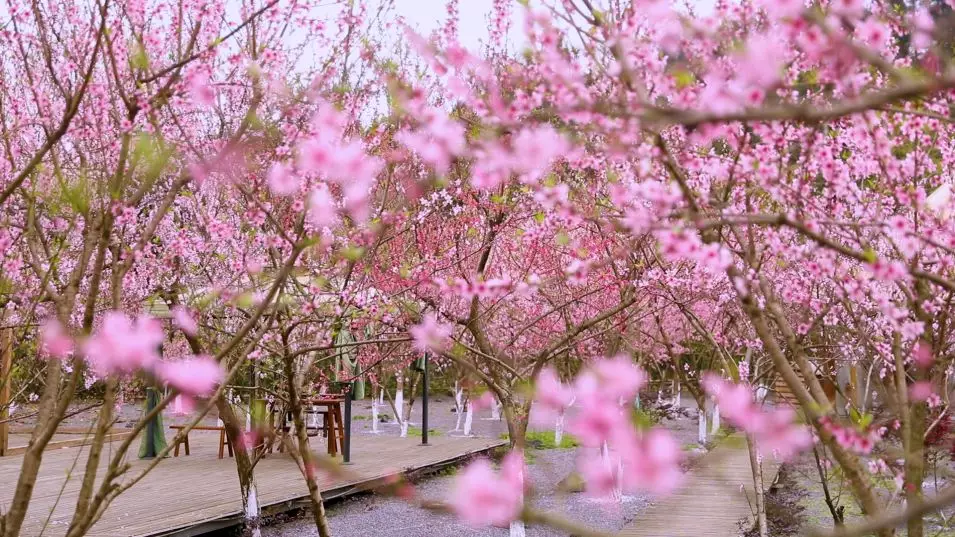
pixel 430 14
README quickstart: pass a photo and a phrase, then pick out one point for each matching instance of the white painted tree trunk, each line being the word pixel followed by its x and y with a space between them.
pixel 399 403
pixel 517 526
pixel 468 418
pixel 496 410
pixel 374 415
pixel 381 397
pixel 559 430
pixel 404 429
pixel 177 405
pixel 677 394
pixel 617 494
pixel 701 419
pixel 252 511
pixel 313 418
pixel 715 426
pixel 458 406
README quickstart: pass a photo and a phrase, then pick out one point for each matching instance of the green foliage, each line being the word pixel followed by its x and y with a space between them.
pixel 545 440
pixel 416 432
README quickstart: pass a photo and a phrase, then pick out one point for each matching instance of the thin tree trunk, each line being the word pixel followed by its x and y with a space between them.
pixel 245 466
pixel 316 504
pixel 468 418
pixel 757 468
pixel 715 427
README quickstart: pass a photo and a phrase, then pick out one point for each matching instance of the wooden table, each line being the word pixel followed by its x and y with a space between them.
pixel 333 423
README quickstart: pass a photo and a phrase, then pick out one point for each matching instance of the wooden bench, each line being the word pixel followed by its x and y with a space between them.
pixel 223 438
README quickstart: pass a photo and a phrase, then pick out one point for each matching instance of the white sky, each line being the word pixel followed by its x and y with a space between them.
pixel 430 14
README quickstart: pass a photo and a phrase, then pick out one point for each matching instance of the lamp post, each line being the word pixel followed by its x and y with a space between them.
pixel 422 365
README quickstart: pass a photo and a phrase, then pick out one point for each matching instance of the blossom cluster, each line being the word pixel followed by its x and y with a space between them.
pixel 123 346
pixel 774 431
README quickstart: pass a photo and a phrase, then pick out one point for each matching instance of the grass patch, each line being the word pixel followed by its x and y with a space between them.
pixel 545 440
pixel 360 417
pixel 416 431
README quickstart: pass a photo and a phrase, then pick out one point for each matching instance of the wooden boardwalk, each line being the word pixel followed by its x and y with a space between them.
pixel 710 503
pixel 189 495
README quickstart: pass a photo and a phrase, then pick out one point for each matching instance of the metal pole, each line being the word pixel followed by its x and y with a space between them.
pixel 346 447
pixel 424 403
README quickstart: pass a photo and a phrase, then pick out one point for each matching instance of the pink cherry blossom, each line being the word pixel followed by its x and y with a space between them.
pixel 597 420
pixel 55 341
pixel 194 376
pixel 200 90
pixel 484 402
pixel 873 33
pixel 482 497
pixel 551 397
pixel 601 475
pixel 776 434
pixel 431 334
pixel 620 378
pixel 652 463
pixel 321 211
pixel 774 431
pixel 184 320
pixel 122 346
pixel 282 180
pixel 921 391
pixel 783 8
pixel 922 355
pixel 536 149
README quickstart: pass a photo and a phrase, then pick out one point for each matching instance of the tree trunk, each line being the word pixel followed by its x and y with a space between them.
pixel 468 417
pixel 757 467
pixel 316 504
pixel 12 520
pixel 399 402
pixel 915 468
pixel 245 466
pixel 458 405
pixel 374 415
pixel 559 430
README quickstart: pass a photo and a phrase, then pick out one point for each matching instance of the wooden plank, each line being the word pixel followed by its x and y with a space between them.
pixel 186 493
pixel 713 500
pixel 73 442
